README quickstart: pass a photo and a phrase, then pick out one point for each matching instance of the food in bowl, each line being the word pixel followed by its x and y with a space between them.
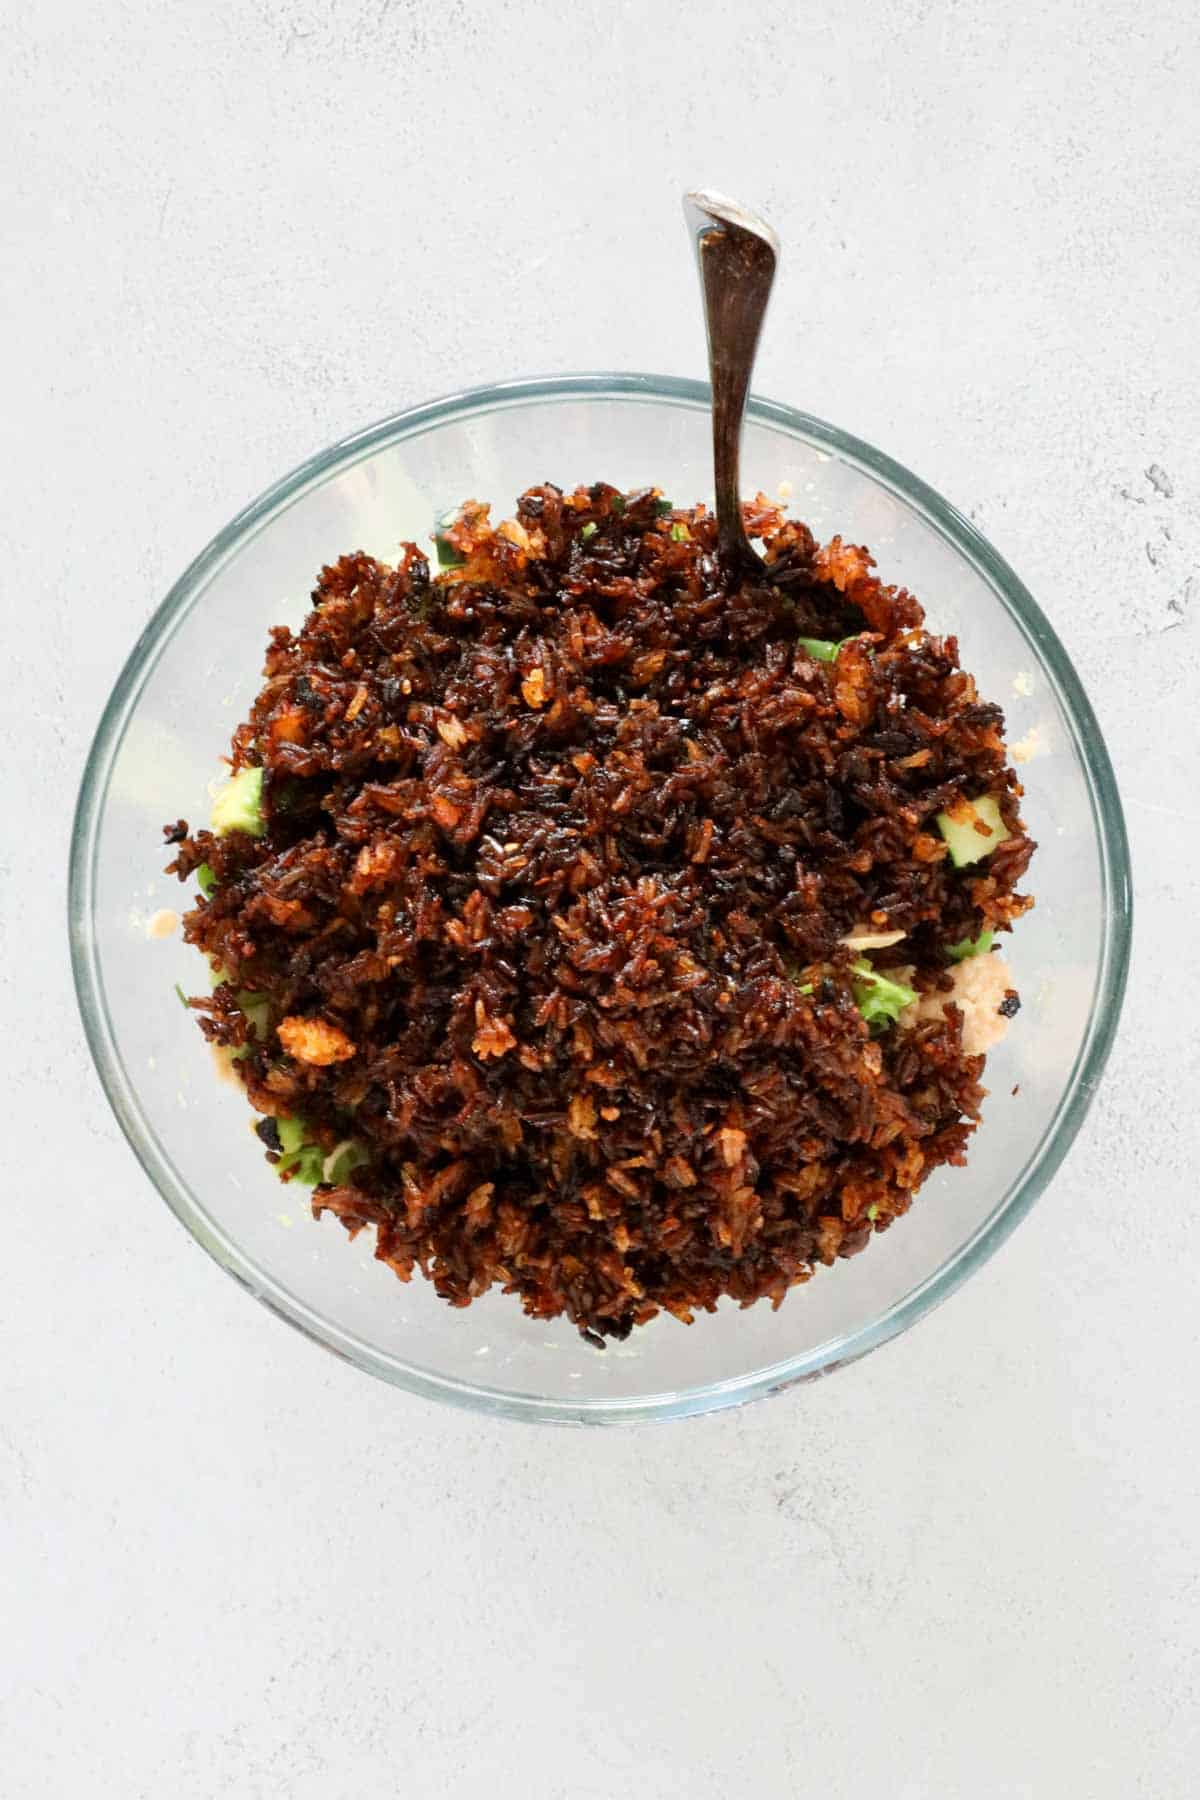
pixel 604 929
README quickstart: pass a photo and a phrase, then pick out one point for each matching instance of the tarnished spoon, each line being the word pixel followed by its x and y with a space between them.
pixel 737 253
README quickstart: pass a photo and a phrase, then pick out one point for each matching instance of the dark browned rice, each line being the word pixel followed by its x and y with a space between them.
pixel 562 846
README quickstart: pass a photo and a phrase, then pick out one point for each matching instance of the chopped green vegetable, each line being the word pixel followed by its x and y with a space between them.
pixel 662 508
pixel 680 532
pixel 307 1166
pixel 824 649
pixel 966 843
pixel 206 881
pixel 879 1000
pixel 589 531
pixel 238 806
pixel 257 1011
pixel 301 1160
pixel 341 1161
pixel 873 1211
pixel 976 946
pixel 791 969
pixel 292 1133
pixel 298 1159
pixel 183 999
pixel 617 504
pixel 448 556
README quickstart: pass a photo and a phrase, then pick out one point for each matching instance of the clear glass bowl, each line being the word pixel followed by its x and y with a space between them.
pixel 192 674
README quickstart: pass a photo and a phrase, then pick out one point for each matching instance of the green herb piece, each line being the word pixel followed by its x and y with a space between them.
pixel 238 806
pixel 823 649
pixel 977 946
pixel 826 649
pixel 680 532
pixel 879 1000
pixel 966 843
pixel 183 999
pixel 873 1211
pixel 589 531
pixel 662 508
pixel 206 881
pixel 804 987
pixel 617 505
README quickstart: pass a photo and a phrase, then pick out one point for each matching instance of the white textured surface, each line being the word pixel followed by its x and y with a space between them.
pixel 232 1566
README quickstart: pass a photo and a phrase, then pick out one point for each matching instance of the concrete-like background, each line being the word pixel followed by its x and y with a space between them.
pixel 233 1567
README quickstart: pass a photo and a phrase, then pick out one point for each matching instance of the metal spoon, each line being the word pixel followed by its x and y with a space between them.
pixel 736 253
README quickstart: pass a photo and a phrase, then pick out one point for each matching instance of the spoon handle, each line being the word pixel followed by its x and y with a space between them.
pixel 737 254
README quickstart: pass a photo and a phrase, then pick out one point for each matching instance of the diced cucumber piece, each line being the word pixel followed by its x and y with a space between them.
pixel 965 840
pixel 298 1159
pixel 257 1011
pixel 292 1133
pixel 448 557
pixel 238 806
pixel 305 1166
pixel 343 1159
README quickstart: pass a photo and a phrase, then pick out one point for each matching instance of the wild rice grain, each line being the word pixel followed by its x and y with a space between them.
pixel 563 849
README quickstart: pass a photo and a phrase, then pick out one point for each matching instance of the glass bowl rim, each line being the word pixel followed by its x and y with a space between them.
pixel 823 1358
